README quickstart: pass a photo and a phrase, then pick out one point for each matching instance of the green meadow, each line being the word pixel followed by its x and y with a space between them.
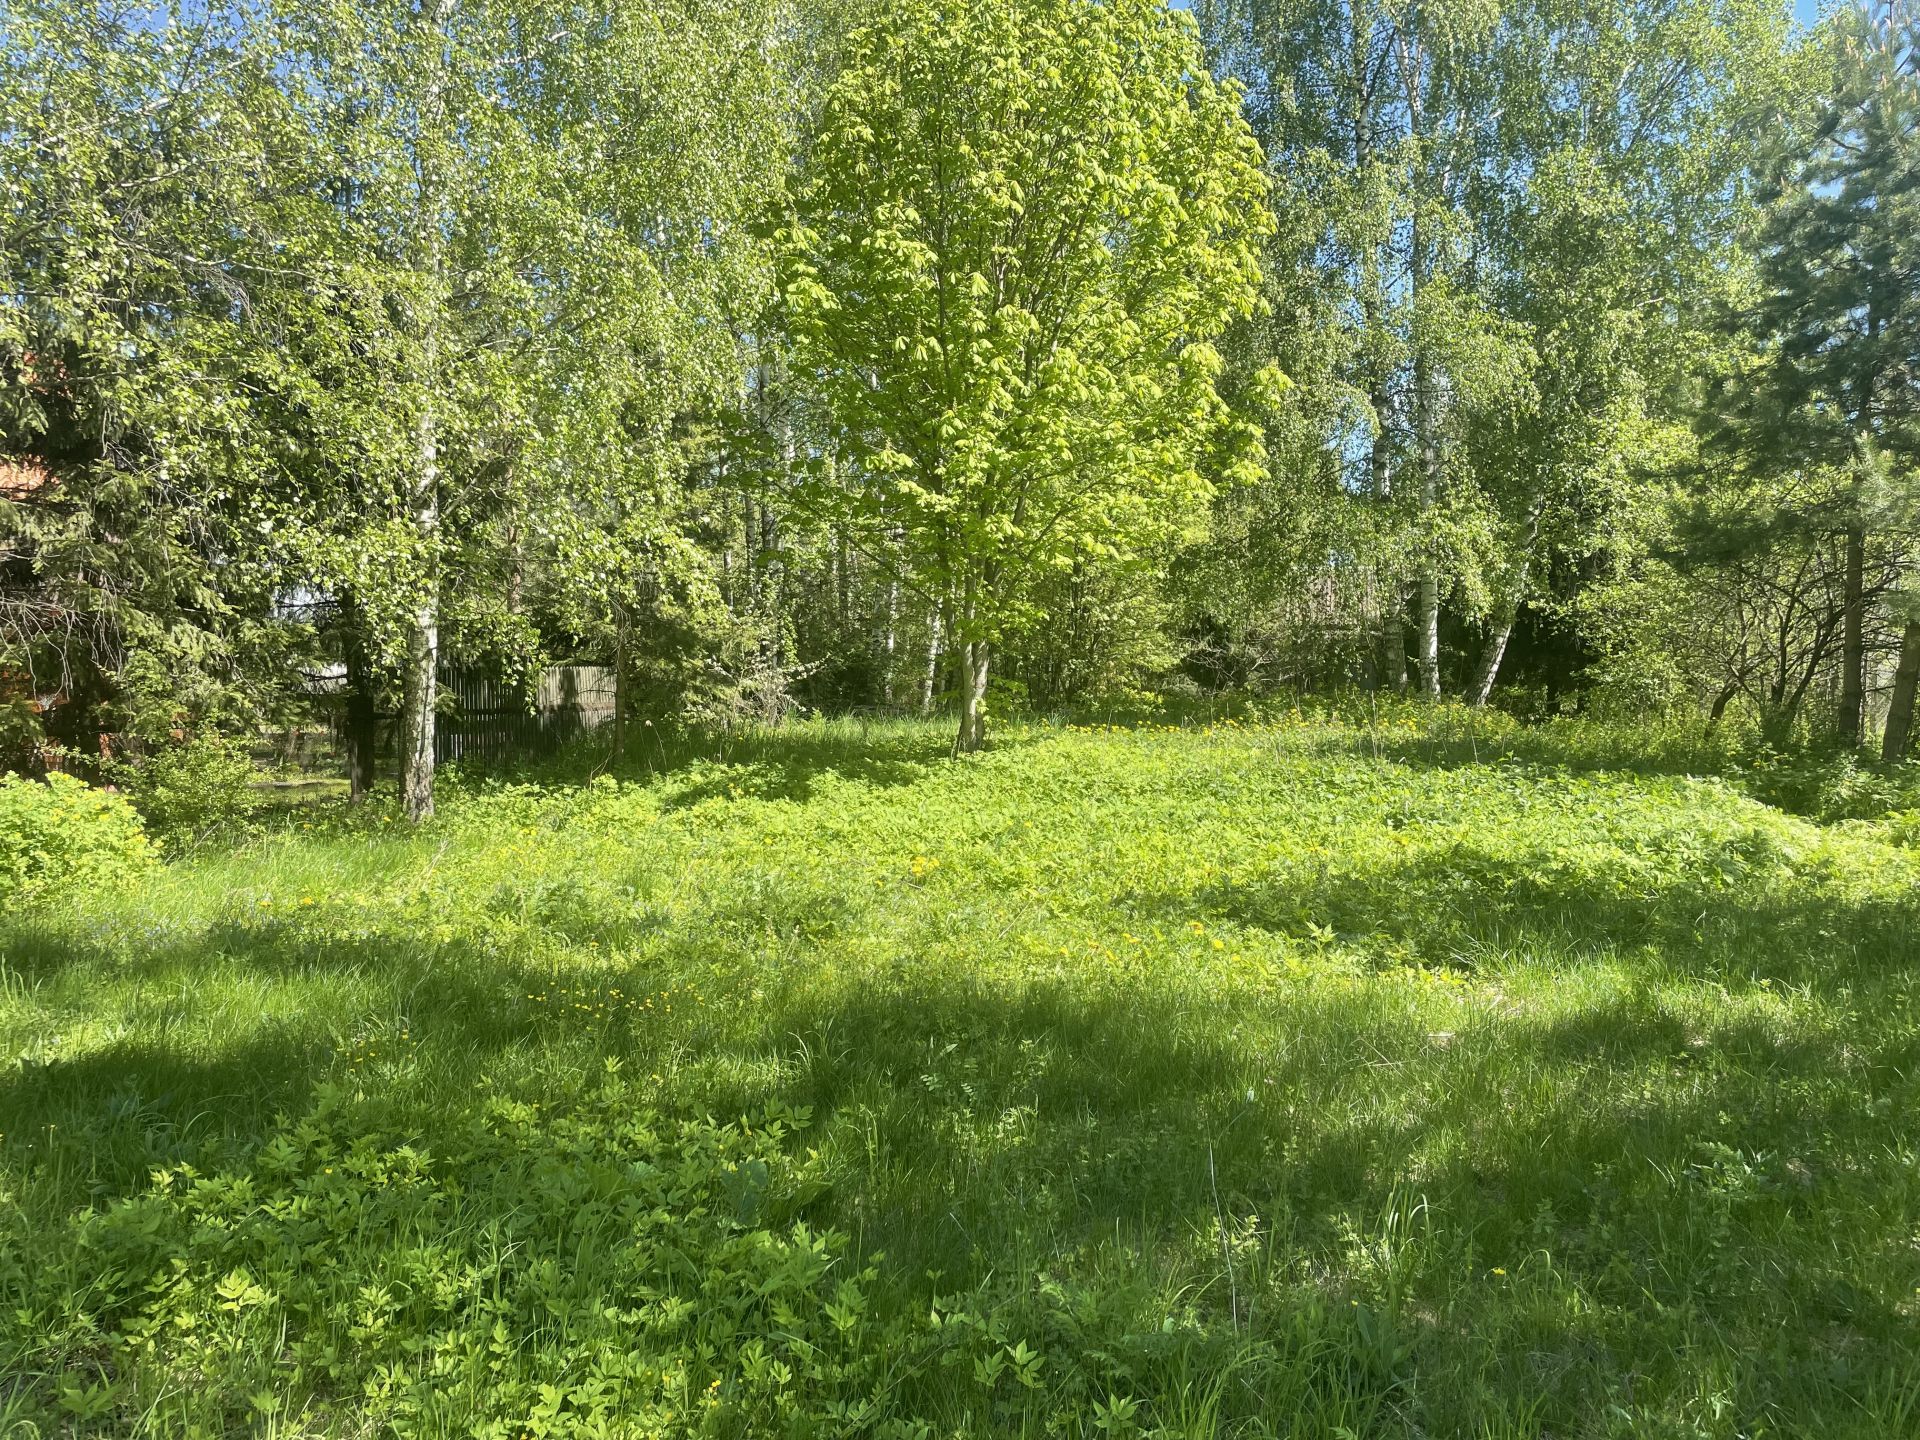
pixel 1326 1076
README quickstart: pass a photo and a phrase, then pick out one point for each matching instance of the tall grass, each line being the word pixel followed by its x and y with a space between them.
pixel 1379 1073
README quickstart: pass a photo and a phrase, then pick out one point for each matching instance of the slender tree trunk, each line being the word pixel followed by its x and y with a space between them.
pixel 1717 711
pixel 1853 641
pixel 362 717
pixel 1853 644
pixel 1427 589
pixel 890 643
pixel 419 682
pixel 843 577
pixel 750 552
pixel 1898 738
pixel 516 570
pixel 1393 634
pixel 1480 690
pixel 1495 650
pixel 932 675
pixel 620 688
pixel 1429 629
pixel 420 685
pixel 1393 640
pixel 773 636
pixel 974 657
pixel 1426 400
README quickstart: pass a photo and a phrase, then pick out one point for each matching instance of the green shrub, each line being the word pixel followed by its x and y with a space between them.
pixel 1903 828
pixel 186 789
pixel 61 832
pixel 1829 786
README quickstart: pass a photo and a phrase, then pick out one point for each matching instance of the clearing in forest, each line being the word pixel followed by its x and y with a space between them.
pixel 1417 1078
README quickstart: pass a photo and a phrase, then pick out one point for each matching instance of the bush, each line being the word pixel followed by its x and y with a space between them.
pixel 62 832
pixel 1834 786
pixel 186 789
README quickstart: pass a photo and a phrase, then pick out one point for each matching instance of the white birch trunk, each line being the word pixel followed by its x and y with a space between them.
pixel 420 681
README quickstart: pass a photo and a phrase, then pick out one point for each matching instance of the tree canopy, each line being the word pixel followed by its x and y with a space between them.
pixel 784 356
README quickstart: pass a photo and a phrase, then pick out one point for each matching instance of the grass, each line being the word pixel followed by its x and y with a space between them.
pixel 1423 1077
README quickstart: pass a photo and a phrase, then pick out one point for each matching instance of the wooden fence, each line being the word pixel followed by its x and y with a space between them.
pixel 482 718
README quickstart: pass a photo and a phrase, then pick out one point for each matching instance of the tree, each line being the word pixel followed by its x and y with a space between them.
pixel 130 156
pixel 1836 320
pixel 521 230
pixel 1021 227
pixel 1375 116
pixel 1519 210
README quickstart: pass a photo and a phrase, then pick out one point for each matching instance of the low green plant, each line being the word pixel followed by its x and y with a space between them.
pixel 60 833
pixel 188 788
pixel 1378 1070
pixel 575 1269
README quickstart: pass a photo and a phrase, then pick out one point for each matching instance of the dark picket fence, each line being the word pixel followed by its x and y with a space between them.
pixel 483 718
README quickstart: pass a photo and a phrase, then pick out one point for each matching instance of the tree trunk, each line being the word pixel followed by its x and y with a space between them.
pixel 1899 734
pixel 843 577
pixel 362 717
pixel 1853 647
pixel 1393 642
pixel 1428 632
pixel 1481 689
pixel 1427 591
pixel 750 554
pixel 620 685
pixel 419 684
pixel 418 688
pixel 1718 710
pixel 1393 633
pixel 890 643
pixel 419 692
pixel 932 677
pixel 1853 640
pixel 1426 400
pixel 974 659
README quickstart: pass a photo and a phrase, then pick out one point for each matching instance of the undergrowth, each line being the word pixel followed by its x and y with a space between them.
pixel 1386 1074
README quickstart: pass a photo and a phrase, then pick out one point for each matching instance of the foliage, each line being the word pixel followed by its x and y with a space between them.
pixel 1516 217
pixel 1833 331
pixel 129 152
pixel 60 833
pixel 1021 229
pixel 188 787
pixel 560 1270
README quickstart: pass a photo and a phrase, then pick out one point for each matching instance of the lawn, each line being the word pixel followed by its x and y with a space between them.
pixel 1316 1077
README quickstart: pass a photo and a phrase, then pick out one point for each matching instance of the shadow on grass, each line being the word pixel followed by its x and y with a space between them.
pixel 770 763
pixel 1451 906
pixel 1821 782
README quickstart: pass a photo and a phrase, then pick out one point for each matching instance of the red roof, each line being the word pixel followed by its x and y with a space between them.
pixel 21 477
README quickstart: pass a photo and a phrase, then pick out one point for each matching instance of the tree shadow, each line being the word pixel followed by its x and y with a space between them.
pixel 759 762
pixel 1729 919
pixel 1815 781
